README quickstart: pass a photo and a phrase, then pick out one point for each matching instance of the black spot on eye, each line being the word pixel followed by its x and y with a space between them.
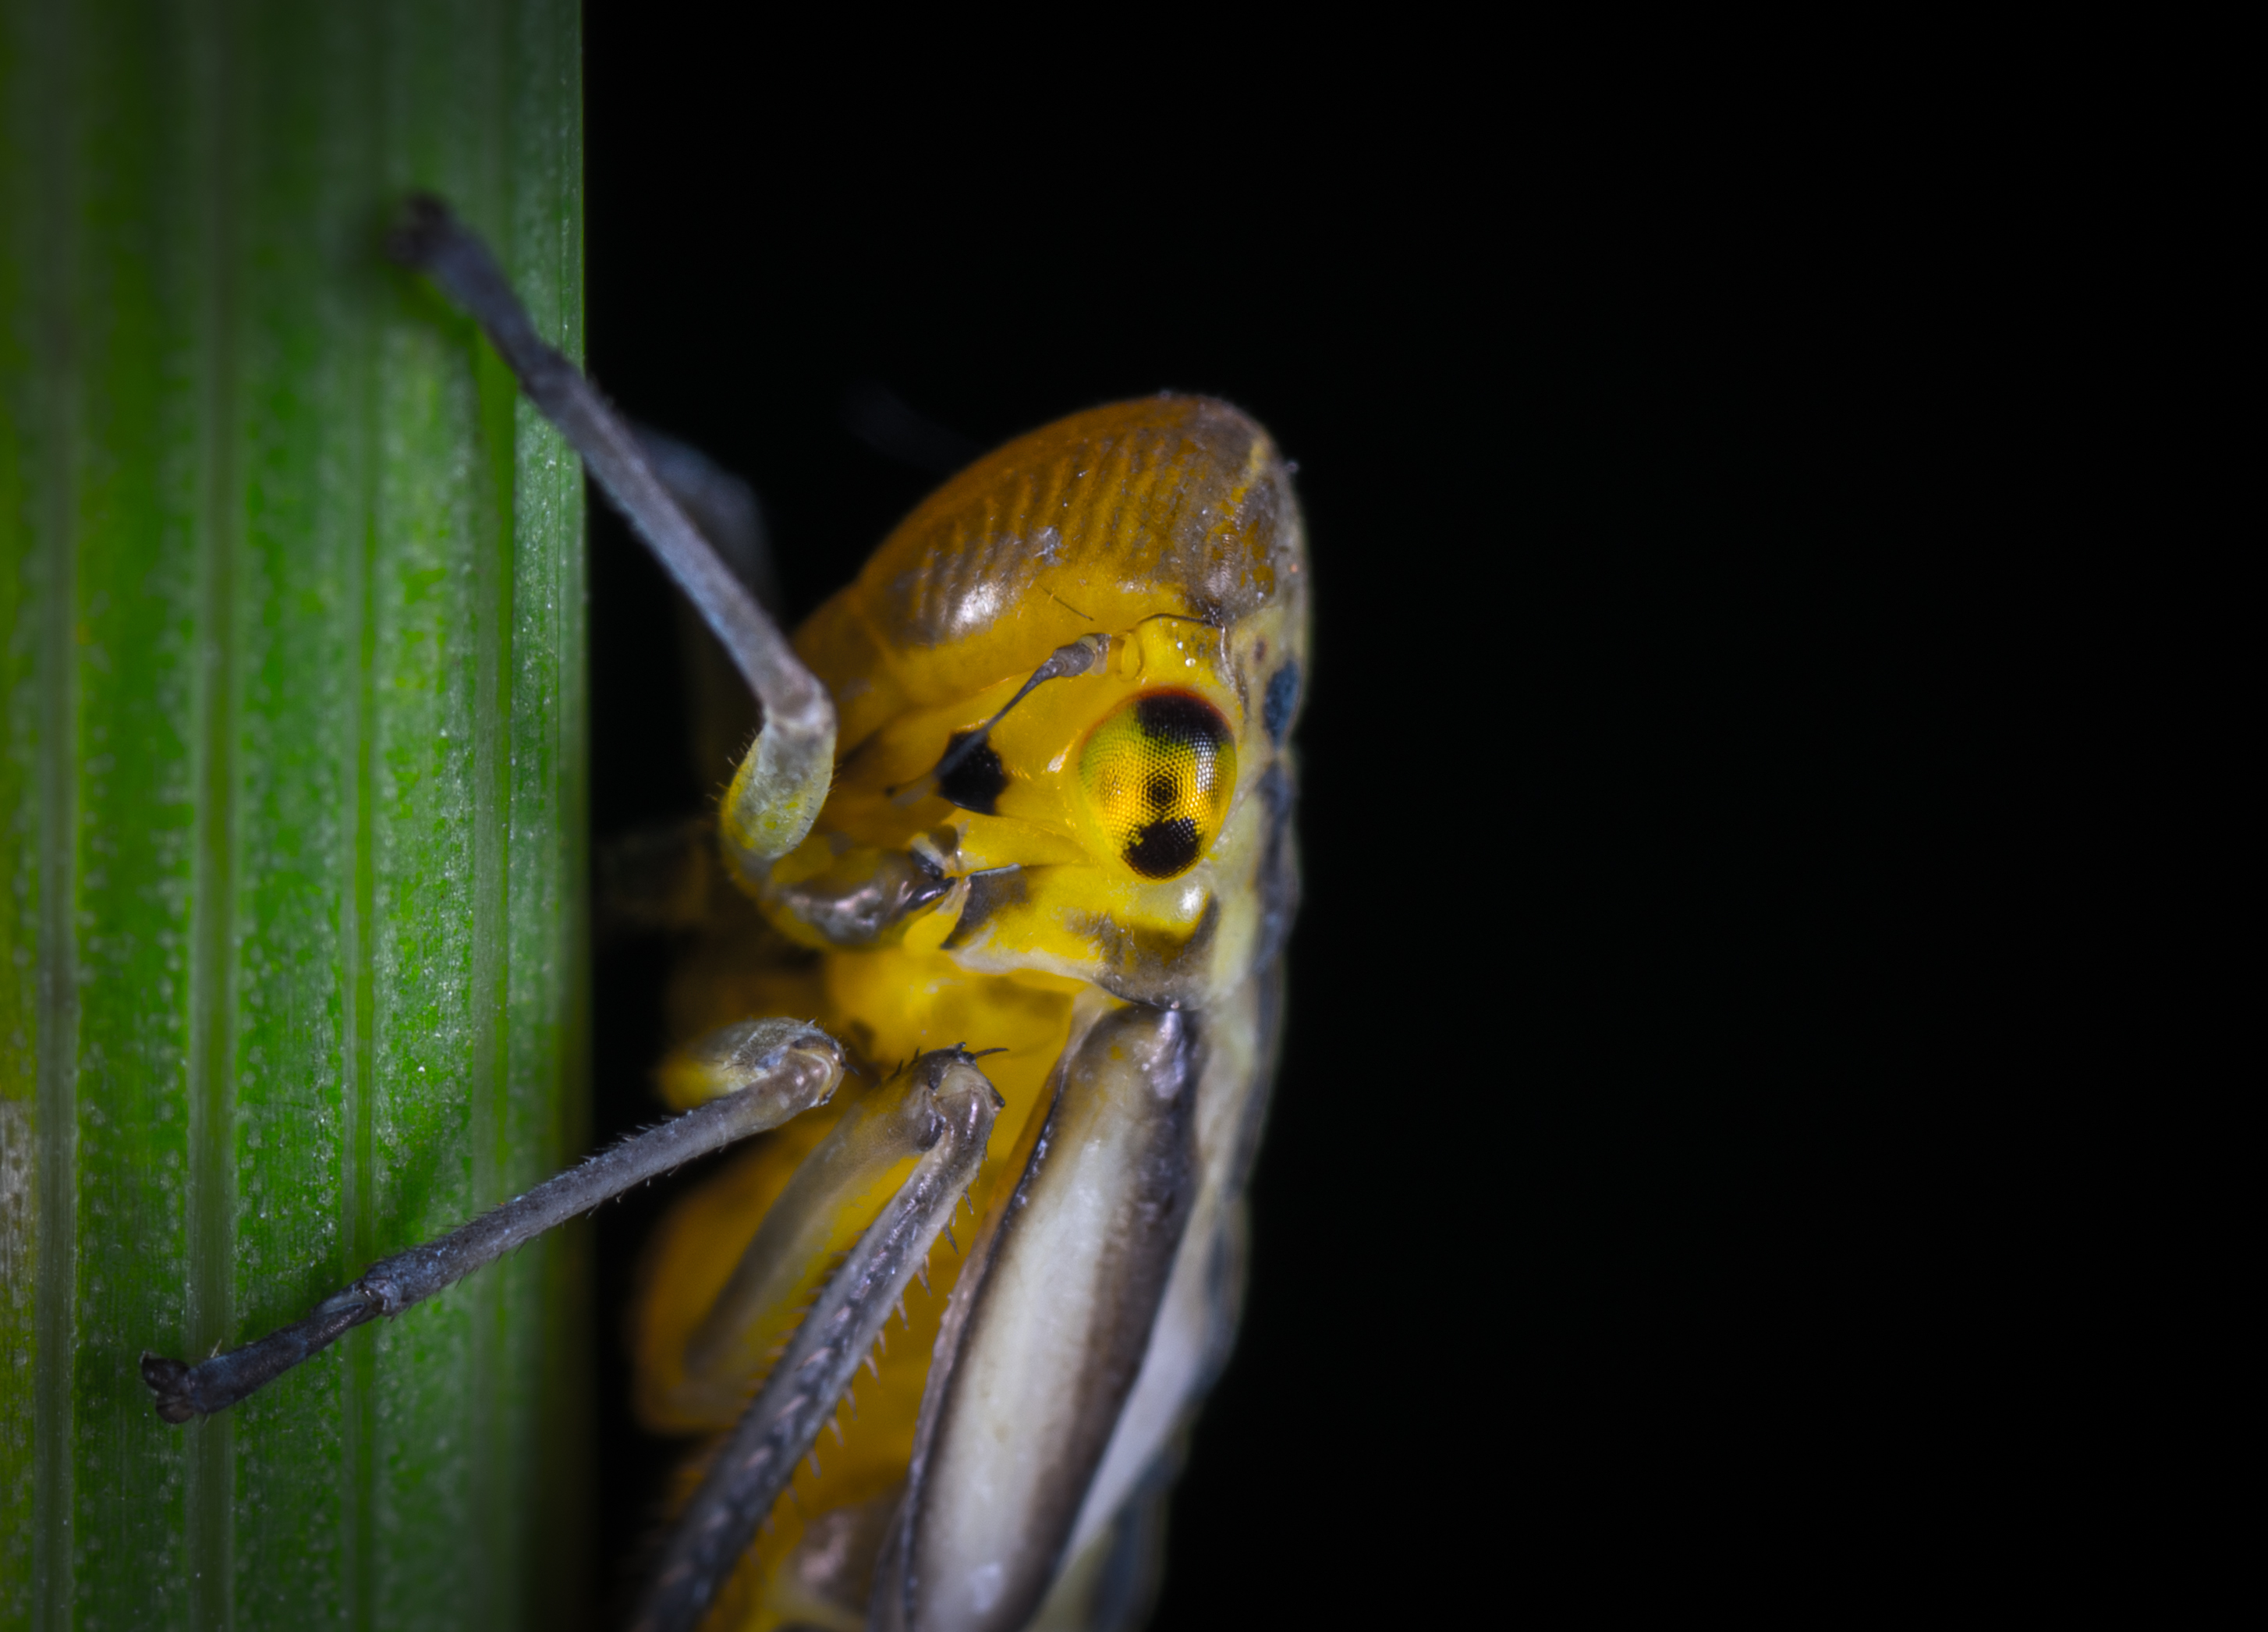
pixel 1160 791
pixel 1164 848
pixel 1177 717
pixel 976 783
pixel 1282 698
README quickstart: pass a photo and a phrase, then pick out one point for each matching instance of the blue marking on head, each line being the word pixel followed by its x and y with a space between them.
pixel 1283 699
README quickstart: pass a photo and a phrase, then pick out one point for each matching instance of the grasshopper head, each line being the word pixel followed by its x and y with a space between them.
pixel 1123 822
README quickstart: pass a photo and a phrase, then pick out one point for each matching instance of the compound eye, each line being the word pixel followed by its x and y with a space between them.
pixel 1158 775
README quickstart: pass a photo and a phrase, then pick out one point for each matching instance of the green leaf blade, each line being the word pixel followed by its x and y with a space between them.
pixel 292 969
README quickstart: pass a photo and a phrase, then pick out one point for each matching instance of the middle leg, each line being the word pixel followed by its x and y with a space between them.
pixel 949 1109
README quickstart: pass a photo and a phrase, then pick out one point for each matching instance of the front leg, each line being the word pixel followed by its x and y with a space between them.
pixel 777 794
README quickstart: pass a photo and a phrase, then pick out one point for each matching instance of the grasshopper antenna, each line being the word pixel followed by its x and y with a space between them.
pixel 1082 656
pixel 777 794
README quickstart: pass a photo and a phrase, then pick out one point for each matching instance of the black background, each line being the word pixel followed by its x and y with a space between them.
pixel 1611 1246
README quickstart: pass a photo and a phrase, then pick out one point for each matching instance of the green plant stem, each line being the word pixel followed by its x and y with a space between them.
pixel 291 944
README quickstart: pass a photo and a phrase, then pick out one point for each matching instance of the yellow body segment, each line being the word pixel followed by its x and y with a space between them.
pixel 1133 846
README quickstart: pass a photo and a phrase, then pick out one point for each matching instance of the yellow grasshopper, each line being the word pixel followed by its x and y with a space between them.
pixel 1014 866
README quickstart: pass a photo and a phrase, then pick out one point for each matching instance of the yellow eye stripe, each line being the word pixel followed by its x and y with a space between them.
pixel 1158 775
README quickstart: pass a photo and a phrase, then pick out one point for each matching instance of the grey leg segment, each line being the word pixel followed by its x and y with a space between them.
pixel 722 506
pixel 1046 1333
pixel 890 1123
pixel 784 781
pixel 784 1068
pixel 865 894
pixel 720 717
pixel 809 1380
